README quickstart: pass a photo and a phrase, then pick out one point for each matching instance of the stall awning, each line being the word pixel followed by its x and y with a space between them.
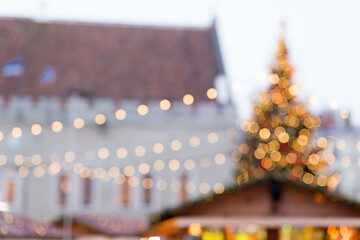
pixel 174 225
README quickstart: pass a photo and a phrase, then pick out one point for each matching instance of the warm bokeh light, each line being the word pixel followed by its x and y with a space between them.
pixel 231 132
pixel 54 168
pixel 18 159
pixel 70 156
pixel 36 129
pixel 283 137
pixel 78 123
pixel 165 104
pixel 204 188
pixel 189 164
pixel 159 165
pixel 23 171
pixel 175 145
pixel 308 178
pixel 219 188
pixel 174 165
pixel 259 153
pixel 194 141
pixel 3 159
pixel 77 167
pixel 220 159
pixel 211 93
pixel 158 148
pixel 275 156
pixel 213 137
pixel 134 181
pixel 120 114
pixel 39 171
pixel 344 114
pixel 140 151
pixel 144 168
pixel 122 153
pixel 129 171
pixel 195 230
pixel 264 133
pixel 253 127
pixel 103 153
pixel 36 159
pixel 16 132
pixel 188 99
pixel 147 183
pixel 322 142
pixel 341 144
pixel 100 119
pixel 57 126
pixel 294 90
pixel 142 110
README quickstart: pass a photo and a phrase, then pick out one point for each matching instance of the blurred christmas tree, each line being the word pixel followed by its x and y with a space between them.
pixel 278 135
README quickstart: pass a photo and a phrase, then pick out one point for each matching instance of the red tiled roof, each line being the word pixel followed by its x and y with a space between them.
pixel 115 61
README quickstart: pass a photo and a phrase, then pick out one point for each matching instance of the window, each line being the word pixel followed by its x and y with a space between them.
pixel 125 196
pixel 87 191
pixel 10 187
pixel 147 185
pixel 183 192
pixel 64 187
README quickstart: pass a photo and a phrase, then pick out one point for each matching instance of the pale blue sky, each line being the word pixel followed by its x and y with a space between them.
pixel 323 37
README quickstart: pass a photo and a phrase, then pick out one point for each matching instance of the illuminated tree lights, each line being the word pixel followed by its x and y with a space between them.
pixel 278 135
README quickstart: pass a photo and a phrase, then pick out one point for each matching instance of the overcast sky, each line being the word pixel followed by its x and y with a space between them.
pixel 323 38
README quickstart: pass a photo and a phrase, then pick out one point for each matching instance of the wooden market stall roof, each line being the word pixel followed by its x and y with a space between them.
pixel 174 225
pixel 266 203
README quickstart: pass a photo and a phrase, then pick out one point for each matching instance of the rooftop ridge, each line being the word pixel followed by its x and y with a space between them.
pixel 111 24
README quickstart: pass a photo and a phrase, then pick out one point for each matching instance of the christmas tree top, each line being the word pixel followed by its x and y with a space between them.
pixel 278 137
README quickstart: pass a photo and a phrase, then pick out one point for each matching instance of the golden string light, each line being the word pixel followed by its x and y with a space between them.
pixel 78 123
pixel 100 119
pixel 188 99
pixel 165 104
pixel 211 93
pixel 78 167
pixel 16 132
pixel 161 184
pixel 142 110
pixel 36 129
pixel 57 126
pixel 120 114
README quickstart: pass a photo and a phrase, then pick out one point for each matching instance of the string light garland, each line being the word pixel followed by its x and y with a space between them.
pixel 159 165
pixel 54 168
pixel 158 148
